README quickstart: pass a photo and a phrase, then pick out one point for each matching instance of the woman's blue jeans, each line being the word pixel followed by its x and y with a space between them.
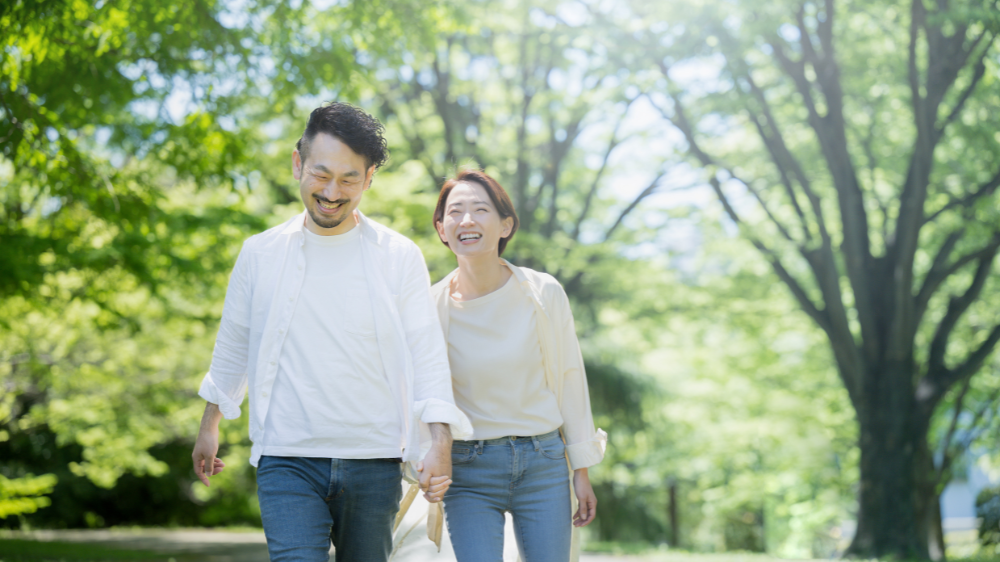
pixel 526 476
pixel 307 503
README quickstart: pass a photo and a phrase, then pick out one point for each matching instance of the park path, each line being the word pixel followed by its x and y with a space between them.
pixel 207 545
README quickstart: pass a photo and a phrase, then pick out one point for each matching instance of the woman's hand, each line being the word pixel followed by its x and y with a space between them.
pixel 585 495
pixel 435 469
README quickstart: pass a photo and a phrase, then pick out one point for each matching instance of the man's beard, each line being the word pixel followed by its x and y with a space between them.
pixel 324 221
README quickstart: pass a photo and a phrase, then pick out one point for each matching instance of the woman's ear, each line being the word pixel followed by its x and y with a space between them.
pixel 507 225
pixel 440 230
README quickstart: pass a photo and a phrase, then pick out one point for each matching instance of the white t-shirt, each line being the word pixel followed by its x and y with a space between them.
pixel 331 397
pixel 497 368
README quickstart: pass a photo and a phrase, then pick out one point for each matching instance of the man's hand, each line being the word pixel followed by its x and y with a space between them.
pixel 585 495
pixel 435 469
pixel 207 445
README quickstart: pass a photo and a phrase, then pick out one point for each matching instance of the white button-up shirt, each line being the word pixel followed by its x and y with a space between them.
pixel 263 290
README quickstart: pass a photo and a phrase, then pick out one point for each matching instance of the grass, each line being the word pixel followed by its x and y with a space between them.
pixel 18 549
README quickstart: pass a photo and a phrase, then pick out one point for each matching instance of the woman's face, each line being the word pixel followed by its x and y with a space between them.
pixel 471 225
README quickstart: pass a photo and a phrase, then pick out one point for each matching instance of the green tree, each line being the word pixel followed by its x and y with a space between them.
pixel 131 140
pixel 854 145
pixel 527 96
pixel 531 94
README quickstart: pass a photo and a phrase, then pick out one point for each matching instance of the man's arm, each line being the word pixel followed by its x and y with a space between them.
pixel 433 398
pixel 435 469
pixel 226 381
pixel 206 447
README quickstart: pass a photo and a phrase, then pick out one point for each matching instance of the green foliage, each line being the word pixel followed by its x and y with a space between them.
pixel 988 513
pixel 25 494
pixel 141 142
pixel 130 140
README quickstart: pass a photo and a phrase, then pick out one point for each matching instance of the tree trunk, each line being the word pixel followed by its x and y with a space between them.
pixel 932 526
pixel 891 510
pixel 672 513
pixel 928 502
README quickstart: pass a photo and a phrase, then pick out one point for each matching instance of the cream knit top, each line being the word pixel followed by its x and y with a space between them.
pixel 564 375
pixel 497 368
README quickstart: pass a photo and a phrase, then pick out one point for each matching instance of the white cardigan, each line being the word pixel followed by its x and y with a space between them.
pixel 564 372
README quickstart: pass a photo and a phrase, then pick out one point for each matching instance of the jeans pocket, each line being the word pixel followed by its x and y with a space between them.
pixel 462 455
pixel 553 449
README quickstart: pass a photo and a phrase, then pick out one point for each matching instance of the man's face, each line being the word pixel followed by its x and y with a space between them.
pixel 331 182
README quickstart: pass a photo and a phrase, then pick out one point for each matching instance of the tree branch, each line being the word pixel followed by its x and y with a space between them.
pixel 949 457
pixel 985 190
pixel 866 145
pixel 957 307
pixel 978 357
pixel 988 406
pixel 946 458
pixel 979 70
pixel 525 213
pixel 682 122
pixel 635 202
pixel 831 133
pixel 938 272
pixel 557 154
pixel 918 15
pixel 612 144
pixel 418 145
pixel 780 154
pixel 833 318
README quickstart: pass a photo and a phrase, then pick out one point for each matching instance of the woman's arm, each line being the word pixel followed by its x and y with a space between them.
pixel 584 445
pixel 585 495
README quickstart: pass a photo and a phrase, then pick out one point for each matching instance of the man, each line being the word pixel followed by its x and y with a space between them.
pixel 328 321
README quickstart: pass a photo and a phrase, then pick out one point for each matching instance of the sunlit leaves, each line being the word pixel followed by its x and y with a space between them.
pixel 25 495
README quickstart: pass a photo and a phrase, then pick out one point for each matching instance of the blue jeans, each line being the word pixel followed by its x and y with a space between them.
pixel 307 503
pixel 526 476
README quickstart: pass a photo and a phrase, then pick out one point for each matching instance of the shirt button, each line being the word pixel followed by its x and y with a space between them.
pixel 264 394
pixel 300 268
pixel 272 363
pixel 290 299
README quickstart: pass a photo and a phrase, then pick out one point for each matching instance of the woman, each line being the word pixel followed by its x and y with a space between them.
pixel 518 375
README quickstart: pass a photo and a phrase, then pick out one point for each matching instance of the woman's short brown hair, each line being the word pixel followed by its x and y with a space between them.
pixel 497 194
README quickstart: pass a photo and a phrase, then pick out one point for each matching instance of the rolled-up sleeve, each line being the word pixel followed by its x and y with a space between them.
pixel 585 445
pixel 226 381
pixel 433 399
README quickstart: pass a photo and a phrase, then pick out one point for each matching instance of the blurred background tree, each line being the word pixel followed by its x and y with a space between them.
pixel 854 145
pixel 141 143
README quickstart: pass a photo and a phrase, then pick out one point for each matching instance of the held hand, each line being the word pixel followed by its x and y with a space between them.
pixel 435 473
pixel 435 469
pixel 585 495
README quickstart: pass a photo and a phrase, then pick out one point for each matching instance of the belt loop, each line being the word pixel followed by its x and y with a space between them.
pixel 534 441
pixel 479 447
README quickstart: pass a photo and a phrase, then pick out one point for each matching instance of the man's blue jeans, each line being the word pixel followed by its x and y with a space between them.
pixel 308 503
pixel 526 476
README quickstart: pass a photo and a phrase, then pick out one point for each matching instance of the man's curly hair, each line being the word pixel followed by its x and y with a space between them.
pixel 355 128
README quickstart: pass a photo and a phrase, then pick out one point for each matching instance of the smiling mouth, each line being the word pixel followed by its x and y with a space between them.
pixel 330 206
pixel 469 237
